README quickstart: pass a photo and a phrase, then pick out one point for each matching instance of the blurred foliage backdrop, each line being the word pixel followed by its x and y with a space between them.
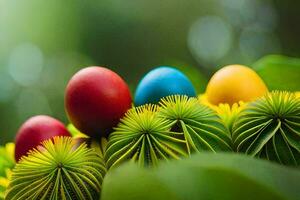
pixel 42 43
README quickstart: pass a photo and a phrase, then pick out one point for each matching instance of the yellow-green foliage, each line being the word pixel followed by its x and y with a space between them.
pixel 58 169
pixel 7 162
pixel 270 128
pixel 201 126
pixel 144 137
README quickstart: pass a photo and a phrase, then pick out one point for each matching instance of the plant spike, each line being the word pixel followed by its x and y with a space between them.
pixel 58 169
pixel 143 137
pixel 270 128
pixel 200 126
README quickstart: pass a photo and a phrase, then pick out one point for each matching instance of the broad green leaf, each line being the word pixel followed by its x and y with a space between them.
pixel 204 176
pixel 279 72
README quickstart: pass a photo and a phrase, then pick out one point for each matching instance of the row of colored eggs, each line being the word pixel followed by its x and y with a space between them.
pixel 96 98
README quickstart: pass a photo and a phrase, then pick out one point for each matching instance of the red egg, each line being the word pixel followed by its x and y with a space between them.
pixel 95 100
pixel 35 130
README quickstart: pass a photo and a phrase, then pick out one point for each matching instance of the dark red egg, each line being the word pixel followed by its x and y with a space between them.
pixel 35 130
pixel 95 100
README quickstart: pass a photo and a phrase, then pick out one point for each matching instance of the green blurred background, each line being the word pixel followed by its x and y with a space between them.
pixel 42 43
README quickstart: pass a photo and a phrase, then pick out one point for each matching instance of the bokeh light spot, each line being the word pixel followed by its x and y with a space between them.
pixel 255 43
pixel 25 64
pixel 210 38
pixel 239 12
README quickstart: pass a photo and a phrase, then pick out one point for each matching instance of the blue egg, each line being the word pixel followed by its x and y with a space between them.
pixel 161 82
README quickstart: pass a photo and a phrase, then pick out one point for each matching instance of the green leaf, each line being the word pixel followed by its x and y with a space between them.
pixel 279 72
pixel 204 176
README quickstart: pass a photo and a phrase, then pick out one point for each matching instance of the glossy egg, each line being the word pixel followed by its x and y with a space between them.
pixel 35 130
pixel 234 83
pixel 95 100
pixel 161 82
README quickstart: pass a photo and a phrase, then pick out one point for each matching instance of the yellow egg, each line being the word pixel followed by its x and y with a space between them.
pixel 235 83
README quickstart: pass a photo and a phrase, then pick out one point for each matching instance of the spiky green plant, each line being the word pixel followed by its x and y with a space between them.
pixel 143 137
pixel 270 128
pixel 58 169
pixel 98 146
pixel 200 126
